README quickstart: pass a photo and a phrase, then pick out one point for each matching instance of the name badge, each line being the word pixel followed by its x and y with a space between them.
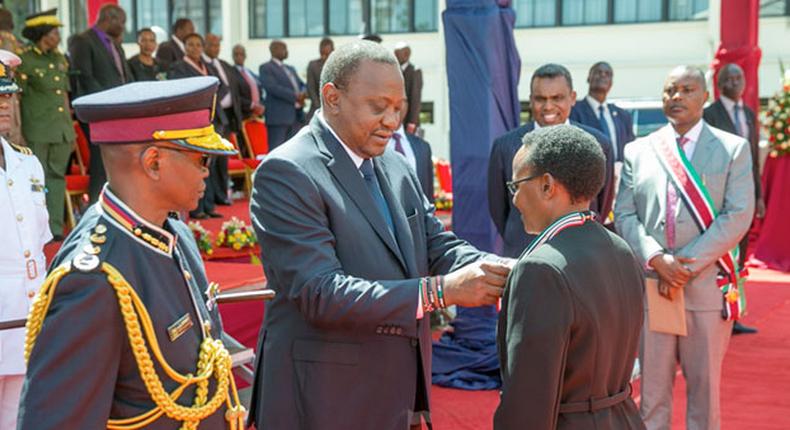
pixel 175 330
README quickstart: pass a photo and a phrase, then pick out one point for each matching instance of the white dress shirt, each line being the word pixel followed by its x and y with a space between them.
pixel 408 152
pixel 25 221
pixel 607 115
pixel 729 104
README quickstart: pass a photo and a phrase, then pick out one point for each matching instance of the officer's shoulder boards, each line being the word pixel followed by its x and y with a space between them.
pixel 89 257
pixel 21 149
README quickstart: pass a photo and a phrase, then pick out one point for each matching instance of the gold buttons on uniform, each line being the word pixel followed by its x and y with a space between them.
pixel 187 275
pixel 57 78
pixel 58 92
pixel 60 108
pixel 100 228
pixel 51 66
pixel 19 217
pixel 10 182
pixel 91 250
pixel 27 253
pixel 31 294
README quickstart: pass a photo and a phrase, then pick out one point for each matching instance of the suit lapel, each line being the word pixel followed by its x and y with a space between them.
pixel 105 53
pixel 703 150
pixel 349 178
pixel 721 111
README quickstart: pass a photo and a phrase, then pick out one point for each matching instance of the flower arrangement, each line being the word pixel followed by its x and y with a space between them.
pixel 236 234
pixel 777 119
pixel 202 238
pixel 443 200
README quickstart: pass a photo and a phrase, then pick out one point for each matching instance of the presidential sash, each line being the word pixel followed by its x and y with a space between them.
pixel 695 196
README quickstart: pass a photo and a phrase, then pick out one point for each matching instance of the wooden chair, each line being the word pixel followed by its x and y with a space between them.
pixel 77 177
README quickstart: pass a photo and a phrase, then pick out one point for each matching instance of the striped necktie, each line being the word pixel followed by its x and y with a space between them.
pixel 672 204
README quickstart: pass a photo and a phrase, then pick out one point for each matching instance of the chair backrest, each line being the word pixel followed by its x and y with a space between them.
pixel 235 141
pixel 444 175
pixel 82 148
pixel 256 136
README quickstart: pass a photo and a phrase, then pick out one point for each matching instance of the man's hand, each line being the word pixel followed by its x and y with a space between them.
pixel 760 209
pixel 668 291
pixel 477 284
pixel 672 270
pixel 258 110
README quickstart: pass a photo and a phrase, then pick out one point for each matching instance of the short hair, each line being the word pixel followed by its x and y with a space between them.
pixel 145 30
pixel 180 23
pixel 324 42
pixel 6 19
pixel 109 11
pixel 345 60
pixel 552 70
pixel 692 71
pixel 372 38
pixel 724 72
pixel 599 64
pixel 193 36
pixel 571 155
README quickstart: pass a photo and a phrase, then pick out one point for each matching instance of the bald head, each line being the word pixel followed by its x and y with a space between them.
pixel 212 45
pixel 686 71
pixel 111 20
pixel 731 81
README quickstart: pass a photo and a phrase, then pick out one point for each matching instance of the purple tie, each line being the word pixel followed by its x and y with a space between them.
pixel 672 204
pixel 398 146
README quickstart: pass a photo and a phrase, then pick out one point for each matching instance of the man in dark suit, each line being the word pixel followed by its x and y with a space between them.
pixel 173 50
pixel 728 113
pixel 355 255
pixel 100 64
pixel 593 111
pixel 412 81
pixel 130 265
pixel 551 99
pixel 572 310
pixel 314 75
pixel 285 94
pixel 417 153
pixel 250 87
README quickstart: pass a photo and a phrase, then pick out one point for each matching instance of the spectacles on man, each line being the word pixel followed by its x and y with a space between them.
pixel 205 159
pixel 512 186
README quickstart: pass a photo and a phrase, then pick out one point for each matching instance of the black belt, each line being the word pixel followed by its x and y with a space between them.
pixel 593 405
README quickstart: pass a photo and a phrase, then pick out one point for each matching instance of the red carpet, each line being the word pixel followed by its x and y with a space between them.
pixel 754 383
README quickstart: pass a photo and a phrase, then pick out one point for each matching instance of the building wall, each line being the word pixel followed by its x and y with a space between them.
pixel 641 54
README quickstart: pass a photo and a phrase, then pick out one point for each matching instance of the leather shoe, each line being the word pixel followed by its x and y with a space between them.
pixel 223 202
pixel 213 215
pixel 199 215
pixel 739 328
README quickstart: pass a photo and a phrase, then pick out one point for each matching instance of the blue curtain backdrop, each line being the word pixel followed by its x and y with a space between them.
pixel 483 69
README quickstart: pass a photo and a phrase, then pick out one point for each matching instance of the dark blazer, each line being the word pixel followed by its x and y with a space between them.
pixel 424 157
pixel 568 332
pixel 340 342
pixel 82 370
pixel 241 104
pixel 245 92
pixel 143 72
pixel 583 113
pixel 412 81
pixel 94 65
pixel 280 94
pixel 716 116
pixel 506 217
pixel 314 85
pixel 168 53
pixel 182 69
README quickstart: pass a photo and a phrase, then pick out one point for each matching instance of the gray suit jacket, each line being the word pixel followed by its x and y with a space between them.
pixel 724 162
pixel 314 85
pixel 568 332
pixel 424 158
pixel 341 346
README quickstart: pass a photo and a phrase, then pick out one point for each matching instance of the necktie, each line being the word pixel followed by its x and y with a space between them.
pixel 602 120
pixel 737 114
pixel 116 58
pixel 398 145
pixel 375 191
pixel 672 204
pixel 255 93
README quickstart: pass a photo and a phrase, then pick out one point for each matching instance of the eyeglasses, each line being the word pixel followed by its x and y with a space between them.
pixel 512 186
pixel 205 159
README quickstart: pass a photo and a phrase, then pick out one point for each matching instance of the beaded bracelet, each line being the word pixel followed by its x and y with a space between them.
pixel 440 292
pixel 427 301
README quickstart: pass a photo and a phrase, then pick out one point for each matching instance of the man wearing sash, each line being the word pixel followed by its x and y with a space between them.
pixel 686 198
pixel 572 309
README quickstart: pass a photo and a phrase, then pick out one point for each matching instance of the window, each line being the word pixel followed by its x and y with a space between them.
pixel 289 18
pixel 535 13
pixel 774 7
pixel 637 11
pixel 685 10
pixel 578 12
pixel 205 14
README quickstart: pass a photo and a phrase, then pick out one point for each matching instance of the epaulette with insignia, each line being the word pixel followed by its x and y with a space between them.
pixel 88 259
pixel 21 149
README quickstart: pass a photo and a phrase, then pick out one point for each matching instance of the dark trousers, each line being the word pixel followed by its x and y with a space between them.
pixel 279 133
pixel 95 168
pixel 219 175
pixel 207 203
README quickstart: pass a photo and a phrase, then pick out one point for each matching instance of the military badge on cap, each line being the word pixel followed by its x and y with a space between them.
pixel 46 18
pixel 178 111
pixel 8 61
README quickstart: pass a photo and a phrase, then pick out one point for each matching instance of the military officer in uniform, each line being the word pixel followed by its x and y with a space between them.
pixel 124 333
pixel 46 120
pixel 23 216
